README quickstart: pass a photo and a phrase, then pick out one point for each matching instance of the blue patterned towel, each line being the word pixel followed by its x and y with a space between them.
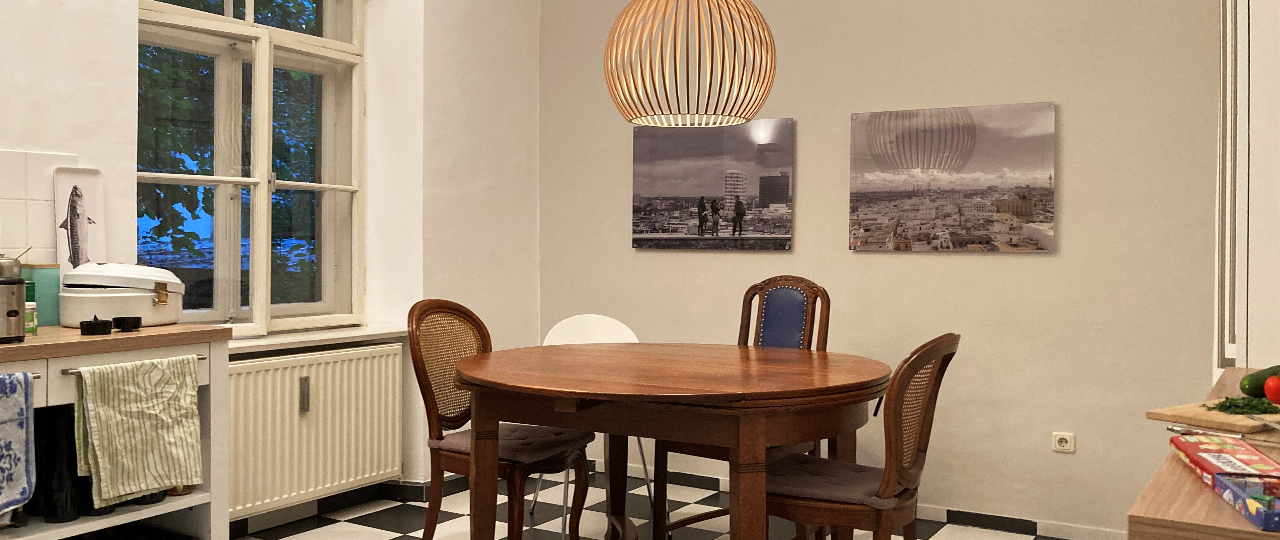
pixel 17 449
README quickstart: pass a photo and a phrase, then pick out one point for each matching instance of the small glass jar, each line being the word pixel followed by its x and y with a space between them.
pixel 30 324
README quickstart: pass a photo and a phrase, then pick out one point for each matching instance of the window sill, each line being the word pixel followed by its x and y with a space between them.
pixel 314 338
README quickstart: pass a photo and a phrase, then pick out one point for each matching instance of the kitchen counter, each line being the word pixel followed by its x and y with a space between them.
pixel 1177 505
pixel 59 342
pixel 56 352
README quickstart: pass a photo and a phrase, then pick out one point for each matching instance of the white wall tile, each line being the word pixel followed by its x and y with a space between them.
pixel 32 256
pixel 41 230
pixel 13 175
pixel 37 256
pixel 13 223
pixel 40 166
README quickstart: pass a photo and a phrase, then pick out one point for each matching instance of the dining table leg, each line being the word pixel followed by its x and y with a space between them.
pixel 748 519
pixel 615 449
pixel 484 466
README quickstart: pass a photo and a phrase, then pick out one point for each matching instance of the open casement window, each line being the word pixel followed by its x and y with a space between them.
pixel 249 167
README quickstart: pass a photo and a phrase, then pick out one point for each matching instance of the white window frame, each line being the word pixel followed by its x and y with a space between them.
pixel 341 155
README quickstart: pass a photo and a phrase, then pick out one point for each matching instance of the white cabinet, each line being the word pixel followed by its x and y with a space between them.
pixel 62 387
pixel 202 514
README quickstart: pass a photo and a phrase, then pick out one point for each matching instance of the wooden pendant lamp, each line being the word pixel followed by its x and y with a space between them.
pixel 689 63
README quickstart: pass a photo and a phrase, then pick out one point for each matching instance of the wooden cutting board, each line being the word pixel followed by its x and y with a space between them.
pixel 1194 414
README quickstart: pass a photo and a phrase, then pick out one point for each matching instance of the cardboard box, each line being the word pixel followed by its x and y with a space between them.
pixel 1235 489
pixel 1243 476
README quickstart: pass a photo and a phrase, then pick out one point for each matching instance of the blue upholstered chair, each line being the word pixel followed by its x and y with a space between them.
pixel 785 314
pixel 789 312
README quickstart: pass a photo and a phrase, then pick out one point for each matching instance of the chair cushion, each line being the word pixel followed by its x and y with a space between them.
pixel 783 318
pixel 808 477
pixel 520 443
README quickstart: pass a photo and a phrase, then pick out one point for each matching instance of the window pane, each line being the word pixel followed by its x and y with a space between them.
pixel 211 6
pixel 295 121
pixel 246 228
pixel 175 111
pixel 246 125
pixel 175 232
pixel 296 15
pixel 294 254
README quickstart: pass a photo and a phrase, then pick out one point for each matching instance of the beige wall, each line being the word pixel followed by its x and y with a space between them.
pixel 481 154
pixel 480 175
pixel 1119 321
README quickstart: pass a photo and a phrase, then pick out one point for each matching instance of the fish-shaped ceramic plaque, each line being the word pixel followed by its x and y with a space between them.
pixel 79 211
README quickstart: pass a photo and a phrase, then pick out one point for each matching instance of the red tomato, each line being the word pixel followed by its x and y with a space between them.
pixel 1272 388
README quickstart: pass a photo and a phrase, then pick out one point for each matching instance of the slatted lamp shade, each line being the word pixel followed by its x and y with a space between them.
pixel 689 63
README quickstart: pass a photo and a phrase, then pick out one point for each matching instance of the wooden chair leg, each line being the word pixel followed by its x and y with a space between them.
pixel 434 498
pixel 515 505
pixel 842 533
pixel 884 527
pixel 658 510
pixel 802 532
pixel 909 531
pixel 820 533
pixel 581 481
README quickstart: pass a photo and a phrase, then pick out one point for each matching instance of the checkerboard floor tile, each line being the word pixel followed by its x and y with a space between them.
pixel 390 520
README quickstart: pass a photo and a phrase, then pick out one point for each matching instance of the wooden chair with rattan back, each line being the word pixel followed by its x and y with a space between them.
pixel 782 311
pixel 816 492
pixel 441 333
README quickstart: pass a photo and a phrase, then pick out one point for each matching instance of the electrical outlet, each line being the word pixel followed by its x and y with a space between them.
pixel 1064 443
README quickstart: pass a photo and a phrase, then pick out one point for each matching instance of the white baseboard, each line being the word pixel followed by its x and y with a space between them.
pixel 1079 532
pixel 931 513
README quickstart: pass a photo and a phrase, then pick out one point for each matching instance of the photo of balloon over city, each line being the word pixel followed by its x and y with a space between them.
pixel 713 188
pixel 971 179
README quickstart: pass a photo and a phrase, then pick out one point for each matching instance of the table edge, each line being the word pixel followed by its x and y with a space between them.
pixel 471 383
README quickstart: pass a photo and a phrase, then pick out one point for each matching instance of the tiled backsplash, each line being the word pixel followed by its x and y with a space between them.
pixel 26 204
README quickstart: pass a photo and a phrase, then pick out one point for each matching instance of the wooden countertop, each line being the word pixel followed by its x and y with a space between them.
pixel 1177 505
pixel 58 342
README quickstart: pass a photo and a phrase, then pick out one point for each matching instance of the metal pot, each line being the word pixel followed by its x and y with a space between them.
pixel 13 300
pixel 10 267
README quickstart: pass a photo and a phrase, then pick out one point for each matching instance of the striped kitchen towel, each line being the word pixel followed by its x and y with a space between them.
pixel 17 448
pixel 138 428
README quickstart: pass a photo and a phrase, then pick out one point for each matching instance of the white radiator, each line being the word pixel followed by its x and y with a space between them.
pixel 311 425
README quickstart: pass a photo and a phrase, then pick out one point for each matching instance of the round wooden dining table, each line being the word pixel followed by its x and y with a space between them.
pixel 745 399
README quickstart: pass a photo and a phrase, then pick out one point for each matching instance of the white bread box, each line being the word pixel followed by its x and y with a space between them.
pixel 109 290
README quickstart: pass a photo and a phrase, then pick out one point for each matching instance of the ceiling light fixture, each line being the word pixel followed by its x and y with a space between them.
pixel 689 63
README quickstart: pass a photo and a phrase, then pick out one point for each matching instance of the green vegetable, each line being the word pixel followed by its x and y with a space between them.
pixel 1252 384
pixel 1244 405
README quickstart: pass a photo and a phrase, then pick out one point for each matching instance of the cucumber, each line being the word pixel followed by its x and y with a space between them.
pixel 1252 383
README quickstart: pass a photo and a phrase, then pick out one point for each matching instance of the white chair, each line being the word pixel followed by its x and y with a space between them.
pixel 590 328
